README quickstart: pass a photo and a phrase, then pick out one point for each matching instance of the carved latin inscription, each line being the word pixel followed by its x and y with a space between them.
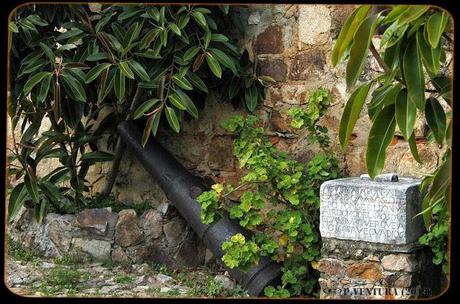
pixel 364 211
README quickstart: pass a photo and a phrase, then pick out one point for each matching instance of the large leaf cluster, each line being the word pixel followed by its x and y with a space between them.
pixel 412 54
pixel 87 67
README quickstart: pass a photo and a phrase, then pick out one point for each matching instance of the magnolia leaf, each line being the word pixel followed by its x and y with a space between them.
pixel 351 113
pixel 413 75
pixel 436 119
pixel 347 32
pixel 171 117
pixel 360 48
pixel 435 27
pixel 406 113
pixel 380 136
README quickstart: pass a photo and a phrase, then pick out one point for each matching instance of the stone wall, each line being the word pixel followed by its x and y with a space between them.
pixel 293 44
pixel 157 235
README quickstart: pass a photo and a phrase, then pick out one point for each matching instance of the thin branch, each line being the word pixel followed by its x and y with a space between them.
pixel 119 149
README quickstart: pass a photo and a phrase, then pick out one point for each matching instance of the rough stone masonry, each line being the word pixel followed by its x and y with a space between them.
pixel 370 231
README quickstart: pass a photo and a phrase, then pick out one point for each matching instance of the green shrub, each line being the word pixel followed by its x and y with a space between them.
pixel 278 200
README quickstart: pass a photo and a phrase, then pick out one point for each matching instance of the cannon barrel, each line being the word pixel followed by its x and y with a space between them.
pixel 182 188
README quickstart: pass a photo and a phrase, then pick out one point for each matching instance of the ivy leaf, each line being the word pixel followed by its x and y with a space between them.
pixel 413 75
pixel 380 136
pixel 33 81
pixel 182 82
pixel 214 66
pixel 96 71
pixel 360 48
pixel 347 32
pixel 171 117
pixel 126 70
pixel 351 113
pixel 250 98
pixel 435 27
pixel 436 119
pixel 406 113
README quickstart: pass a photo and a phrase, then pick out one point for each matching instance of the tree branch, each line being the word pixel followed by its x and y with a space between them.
pixel 119 149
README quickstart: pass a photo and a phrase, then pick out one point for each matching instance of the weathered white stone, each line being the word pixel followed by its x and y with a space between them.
pixel 380 211
pixel 98 249
pixel 314 24
pixel 398 262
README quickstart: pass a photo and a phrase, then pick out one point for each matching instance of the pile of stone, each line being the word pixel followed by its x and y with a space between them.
pixel 101 234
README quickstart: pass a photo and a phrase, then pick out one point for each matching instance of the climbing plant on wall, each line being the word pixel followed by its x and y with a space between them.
pixel 277 200
pixel 88 67
pixel 415 78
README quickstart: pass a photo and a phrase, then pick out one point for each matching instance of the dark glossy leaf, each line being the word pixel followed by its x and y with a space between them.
pixel 32 188
pixel 351 113
pixel 144 107
pixel 413 75
pixel 139 70
pixel 224 59
pixel 197 82
pixel 44 88
pixel 200 19
pixel 191 53
pixel 16 200
pixel 189 105
pixel 98 156
pixel 77 90
pixel 33 81
pixel 406 113
pixel 97 56
pixel 147 130
pixel 360 48
pixel 380 136
pixel 214 66
pixel 436 119
pixel 413 148
pixel 442 85
pixel 126 70
pixel 431 57
pixel 68 34
pixel 175 29
pixel 171 117
pixel 435 27
pixel 250 98
pixel 49 53
pixel 347 32
pixel 96 71
pixel 119 85
pixel 182 82
pixel 176 101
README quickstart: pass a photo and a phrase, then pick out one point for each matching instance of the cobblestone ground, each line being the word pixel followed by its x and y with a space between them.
pixel 41 277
